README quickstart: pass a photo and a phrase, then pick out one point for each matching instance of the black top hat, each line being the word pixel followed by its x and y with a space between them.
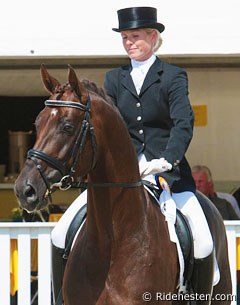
pixel 138 17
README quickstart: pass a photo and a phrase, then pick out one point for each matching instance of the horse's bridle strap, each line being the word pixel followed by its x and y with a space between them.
pixel 110 184
pixel 71 104
pixel 50 160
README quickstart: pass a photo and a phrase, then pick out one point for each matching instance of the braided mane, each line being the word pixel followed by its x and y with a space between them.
pixel 91 86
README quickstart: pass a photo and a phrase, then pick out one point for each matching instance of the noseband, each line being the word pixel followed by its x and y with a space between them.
pixel 79 144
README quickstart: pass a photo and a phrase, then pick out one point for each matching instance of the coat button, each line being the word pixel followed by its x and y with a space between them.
pixel 176 163
pixel 140 131
pixel 138 105
pixel 139 118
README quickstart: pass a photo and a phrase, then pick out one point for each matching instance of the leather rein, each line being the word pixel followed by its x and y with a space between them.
pixel 67 180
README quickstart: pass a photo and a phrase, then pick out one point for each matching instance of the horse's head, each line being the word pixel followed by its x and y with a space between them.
pixel 63 131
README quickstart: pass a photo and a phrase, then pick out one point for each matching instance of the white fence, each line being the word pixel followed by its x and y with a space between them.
pixel 233 232
pixel 24 232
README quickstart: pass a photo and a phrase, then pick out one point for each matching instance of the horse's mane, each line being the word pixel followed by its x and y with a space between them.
pixel 91 86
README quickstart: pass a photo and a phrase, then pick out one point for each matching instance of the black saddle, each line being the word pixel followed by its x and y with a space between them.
pixel 77 221
pixel 184 234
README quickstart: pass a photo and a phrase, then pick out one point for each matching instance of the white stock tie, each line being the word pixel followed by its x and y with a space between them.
pixel 140 70
pixel 138 76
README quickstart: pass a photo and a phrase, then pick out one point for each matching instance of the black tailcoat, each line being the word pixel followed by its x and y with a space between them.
pixel 159 119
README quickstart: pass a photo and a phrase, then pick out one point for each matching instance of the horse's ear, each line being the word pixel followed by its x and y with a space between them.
pixel 76 85
pixel 49 82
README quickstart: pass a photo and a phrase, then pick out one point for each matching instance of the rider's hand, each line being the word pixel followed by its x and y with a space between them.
pixel 154 166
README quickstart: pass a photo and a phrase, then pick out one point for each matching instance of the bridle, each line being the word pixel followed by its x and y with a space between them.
pixel 67 179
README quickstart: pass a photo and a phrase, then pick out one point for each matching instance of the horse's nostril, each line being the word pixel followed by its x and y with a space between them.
pixel 29 191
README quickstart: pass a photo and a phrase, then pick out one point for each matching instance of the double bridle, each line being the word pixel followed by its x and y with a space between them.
pixel 67 179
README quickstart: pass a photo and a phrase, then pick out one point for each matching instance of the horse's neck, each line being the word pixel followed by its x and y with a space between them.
pixel 115 213
pixel 112 209
pixel 116 156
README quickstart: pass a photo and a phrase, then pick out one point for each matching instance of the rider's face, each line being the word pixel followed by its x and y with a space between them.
pixel 139 43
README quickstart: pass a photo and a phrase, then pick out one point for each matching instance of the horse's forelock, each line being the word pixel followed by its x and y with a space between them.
pixel 59 90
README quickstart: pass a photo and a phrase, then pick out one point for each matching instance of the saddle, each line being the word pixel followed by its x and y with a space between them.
pixel 186 242
pixel 77 221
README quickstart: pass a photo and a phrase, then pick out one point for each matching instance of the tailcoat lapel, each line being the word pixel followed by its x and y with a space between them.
pixel 127 81
pixel 153 75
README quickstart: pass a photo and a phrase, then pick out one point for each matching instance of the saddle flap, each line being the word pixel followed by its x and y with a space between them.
pixel 185 237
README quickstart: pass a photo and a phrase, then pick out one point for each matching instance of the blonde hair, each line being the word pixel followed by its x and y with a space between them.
pixel 159 40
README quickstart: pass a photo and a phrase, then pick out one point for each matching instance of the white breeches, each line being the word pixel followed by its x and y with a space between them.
pixel 186 202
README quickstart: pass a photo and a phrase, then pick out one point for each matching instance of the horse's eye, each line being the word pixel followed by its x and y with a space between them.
pixel 68 128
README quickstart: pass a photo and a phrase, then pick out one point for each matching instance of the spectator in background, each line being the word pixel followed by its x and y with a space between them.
pixel 230 198
pixel 204 183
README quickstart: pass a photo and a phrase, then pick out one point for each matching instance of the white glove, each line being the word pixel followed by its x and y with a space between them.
pixel 154 166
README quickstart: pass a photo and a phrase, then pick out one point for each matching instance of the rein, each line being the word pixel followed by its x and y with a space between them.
pixel 67 180
pixel 110 184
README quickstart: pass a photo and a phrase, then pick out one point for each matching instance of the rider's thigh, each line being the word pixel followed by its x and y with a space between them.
pixel 189 205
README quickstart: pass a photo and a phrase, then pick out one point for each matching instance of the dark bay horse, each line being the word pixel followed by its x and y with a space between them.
pixel 123 254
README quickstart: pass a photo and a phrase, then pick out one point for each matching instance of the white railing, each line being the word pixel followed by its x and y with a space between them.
pixel 233 232
pixel 25 232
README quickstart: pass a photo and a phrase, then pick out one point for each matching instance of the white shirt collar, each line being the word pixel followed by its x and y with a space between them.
pixel 145 65
pixel 140 70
